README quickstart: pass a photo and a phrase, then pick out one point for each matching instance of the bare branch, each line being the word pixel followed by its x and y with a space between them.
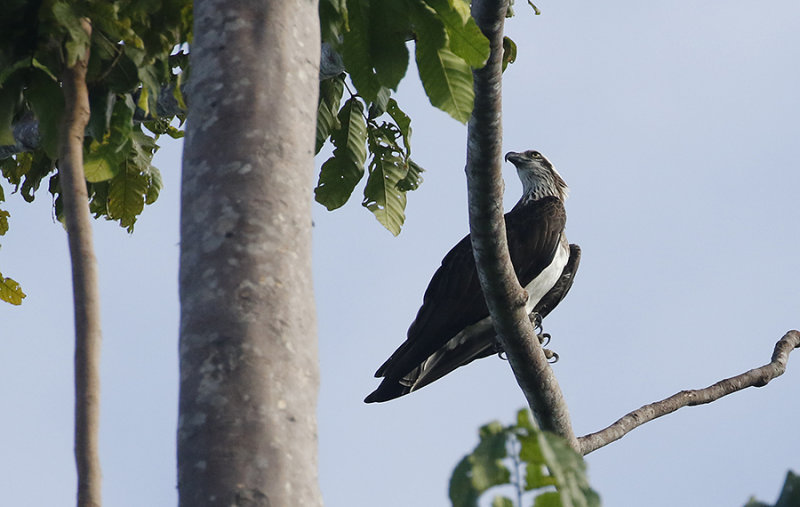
pixel 504 295
pixel 757 377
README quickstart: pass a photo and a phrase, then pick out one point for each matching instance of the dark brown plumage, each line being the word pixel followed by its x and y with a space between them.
pixel 452 327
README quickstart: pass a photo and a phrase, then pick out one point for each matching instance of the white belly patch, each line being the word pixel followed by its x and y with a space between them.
pixel 540 285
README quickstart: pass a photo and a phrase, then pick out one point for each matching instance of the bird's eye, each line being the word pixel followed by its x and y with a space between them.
pixel 536 154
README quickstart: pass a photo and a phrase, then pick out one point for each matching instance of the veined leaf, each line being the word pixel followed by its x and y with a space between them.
pixel 126 196
pixel 356 50
pixel 10 291
pixel 340 173
pixel 466 39
pixel 382 195
pixel 330 96
pixel 447 80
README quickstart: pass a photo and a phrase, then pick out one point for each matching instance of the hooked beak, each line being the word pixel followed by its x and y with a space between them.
pixel 511 156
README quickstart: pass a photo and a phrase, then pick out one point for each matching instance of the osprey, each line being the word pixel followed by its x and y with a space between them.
pixel 453 326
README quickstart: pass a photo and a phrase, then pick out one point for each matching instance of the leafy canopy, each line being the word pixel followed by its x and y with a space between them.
pixel 538 467
pixel 372 38
pixel 132 59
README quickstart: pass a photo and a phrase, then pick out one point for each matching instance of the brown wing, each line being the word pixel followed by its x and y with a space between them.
pixel 454 300
pixel 483 342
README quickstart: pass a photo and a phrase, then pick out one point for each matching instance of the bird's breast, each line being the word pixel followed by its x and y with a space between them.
pixel 545 281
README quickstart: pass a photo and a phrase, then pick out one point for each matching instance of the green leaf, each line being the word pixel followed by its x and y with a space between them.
pixel 122 74
pixel 356 50
pixel 78 41
pixel 790 495
pixel 8 70
pixel 9 100
pixel 389 27
pixel 104 157
pixel 14 168
pixel 509 52
pixel 568 469
pixel 548 499
pixel 381 195
pixel 126 197
pixel 3 219
pixel 10 291
pixel 378 106
pixel 502 501
pixel 447 79
pixel 413 178
pixel 403 122
pixel 155 185
pixel 340 173
pixel 101 105
pixel 333 19
pixel 40 166
pixel 47 101
pixel 330 96
pixel 466 39
pixel 482 469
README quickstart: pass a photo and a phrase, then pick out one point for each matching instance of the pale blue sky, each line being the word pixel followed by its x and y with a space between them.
pixel 675 125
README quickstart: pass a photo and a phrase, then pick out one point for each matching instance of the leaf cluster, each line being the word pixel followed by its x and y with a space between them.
pixel 789 497
pixel 373 40
pixel 133 58
pixel 538 466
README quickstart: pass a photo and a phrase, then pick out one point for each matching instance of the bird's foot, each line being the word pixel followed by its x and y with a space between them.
pixel 544 338
pixel 552 357
pixel 536 320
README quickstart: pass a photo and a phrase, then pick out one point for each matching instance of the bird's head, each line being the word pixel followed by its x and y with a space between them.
pixel 539 177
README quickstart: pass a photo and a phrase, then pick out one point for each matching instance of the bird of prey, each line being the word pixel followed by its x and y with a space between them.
pixel 453 326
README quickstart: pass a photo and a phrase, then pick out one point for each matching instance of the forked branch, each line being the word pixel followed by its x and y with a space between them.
pixel 757 377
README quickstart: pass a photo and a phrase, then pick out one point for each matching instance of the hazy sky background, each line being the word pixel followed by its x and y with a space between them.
pixel 675 125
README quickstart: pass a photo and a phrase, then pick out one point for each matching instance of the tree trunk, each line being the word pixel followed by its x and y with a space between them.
pixel 86 295
pixel 248 352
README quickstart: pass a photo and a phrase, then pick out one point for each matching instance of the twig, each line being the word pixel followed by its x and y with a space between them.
pixel 757 377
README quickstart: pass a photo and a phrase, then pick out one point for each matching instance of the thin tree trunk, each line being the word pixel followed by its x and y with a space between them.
pixel 505 297
pixel 248 348
pixel 86 295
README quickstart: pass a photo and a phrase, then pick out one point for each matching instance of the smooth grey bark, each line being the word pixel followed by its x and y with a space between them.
pixel 86 294
pixel 249 377
pixel 505 297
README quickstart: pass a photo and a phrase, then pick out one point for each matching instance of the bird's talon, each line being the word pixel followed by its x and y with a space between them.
pixel 536 320
pixel 552 357
pixel 544 338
